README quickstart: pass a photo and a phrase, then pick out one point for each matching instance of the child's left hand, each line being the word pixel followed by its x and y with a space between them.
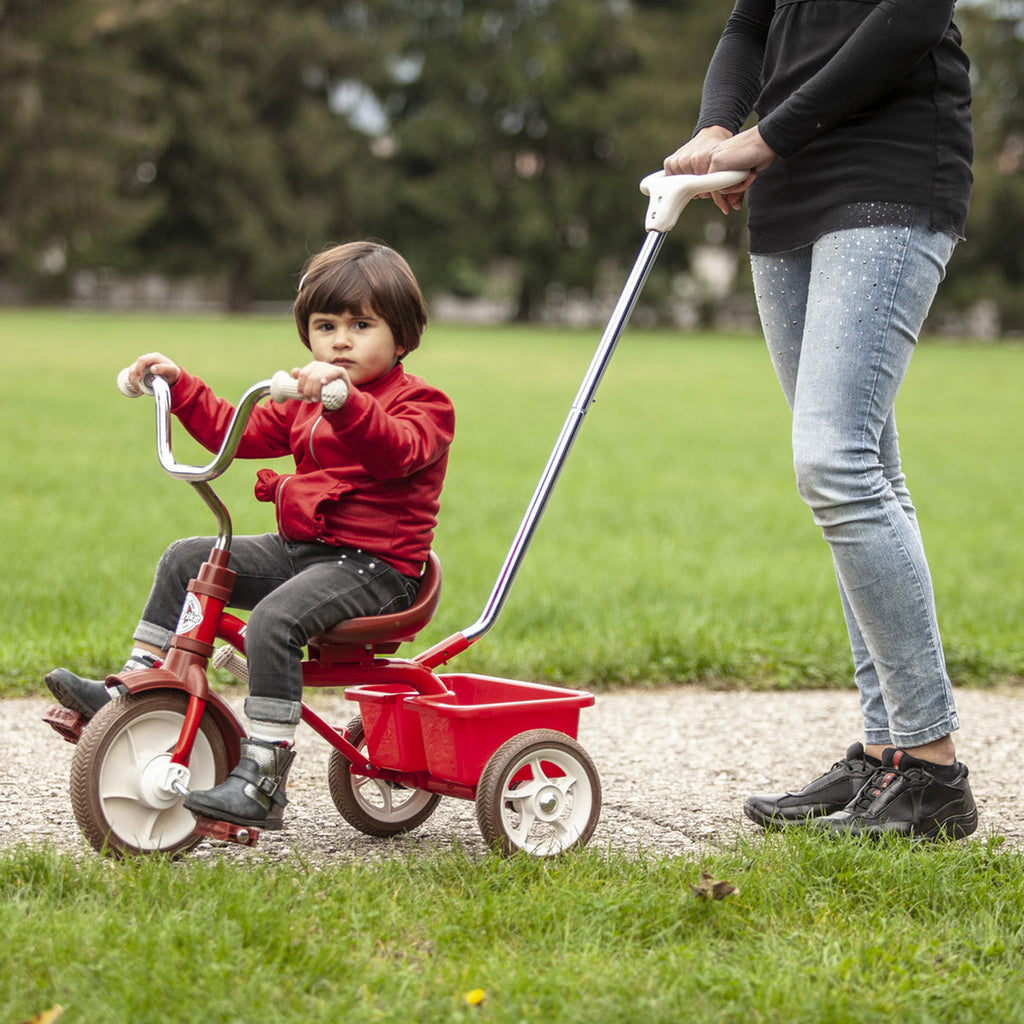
pixel 313 376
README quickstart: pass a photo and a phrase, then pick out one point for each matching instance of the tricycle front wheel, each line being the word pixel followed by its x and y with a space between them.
pixel 119 775
pixel 373 806
pixel 539 793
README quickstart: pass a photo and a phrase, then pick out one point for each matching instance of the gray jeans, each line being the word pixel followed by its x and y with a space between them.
pixel 841 318
pixel 294 591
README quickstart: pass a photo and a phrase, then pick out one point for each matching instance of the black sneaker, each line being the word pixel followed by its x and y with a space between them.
pixel 827 793
pixel 907 797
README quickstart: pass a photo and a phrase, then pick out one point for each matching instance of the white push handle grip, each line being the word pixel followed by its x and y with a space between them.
pixel 284 386
pixel 671 192
pixel 128 389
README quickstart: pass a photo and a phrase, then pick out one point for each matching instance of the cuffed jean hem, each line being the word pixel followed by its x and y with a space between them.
pixel 151 633
pixel 270 709
pixel 914 739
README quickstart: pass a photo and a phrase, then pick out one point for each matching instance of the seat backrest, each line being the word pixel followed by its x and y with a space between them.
pixel 395 627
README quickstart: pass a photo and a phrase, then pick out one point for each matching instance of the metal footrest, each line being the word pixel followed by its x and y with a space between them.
pixel 224 831
pixel 65 721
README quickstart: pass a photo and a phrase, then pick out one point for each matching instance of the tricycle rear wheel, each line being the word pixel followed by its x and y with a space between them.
pixel 539 793
pixel 373 806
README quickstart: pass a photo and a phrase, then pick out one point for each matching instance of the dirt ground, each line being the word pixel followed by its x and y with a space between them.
pixel 675 767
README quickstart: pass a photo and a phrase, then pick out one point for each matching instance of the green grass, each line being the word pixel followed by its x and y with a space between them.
pixel 674 549
pixel 816 933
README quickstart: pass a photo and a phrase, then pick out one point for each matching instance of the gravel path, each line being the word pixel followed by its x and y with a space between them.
pixel 675 767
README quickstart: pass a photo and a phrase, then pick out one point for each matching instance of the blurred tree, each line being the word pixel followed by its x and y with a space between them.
pixel 229 137
pixel 74 136
pixel 257 168
pixel 991 264
pixel 493 145
pixel 517 131
pixel 673 42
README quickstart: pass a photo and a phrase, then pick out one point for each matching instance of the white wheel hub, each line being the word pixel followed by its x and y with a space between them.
pixel 556 803
pixel 163 783
pixel 548 803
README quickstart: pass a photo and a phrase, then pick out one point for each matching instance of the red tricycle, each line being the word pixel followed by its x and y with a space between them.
pixel 510 746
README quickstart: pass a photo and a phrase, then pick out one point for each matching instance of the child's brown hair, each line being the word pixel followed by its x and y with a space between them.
pixel 359 277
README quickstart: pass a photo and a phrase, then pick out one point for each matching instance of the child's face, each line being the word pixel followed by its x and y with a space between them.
pixel 362 343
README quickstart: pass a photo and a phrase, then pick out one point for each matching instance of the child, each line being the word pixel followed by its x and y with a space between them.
pixel 355 520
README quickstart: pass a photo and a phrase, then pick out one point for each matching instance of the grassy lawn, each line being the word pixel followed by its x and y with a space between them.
pixel 815 933
pixel 674 548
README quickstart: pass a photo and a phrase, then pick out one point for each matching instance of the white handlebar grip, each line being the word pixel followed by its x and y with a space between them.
pixel 127 388
pixel 671 192
pixel 284 386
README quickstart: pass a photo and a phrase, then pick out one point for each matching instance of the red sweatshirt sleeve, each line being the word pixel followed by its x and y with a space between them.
pixel 206 417
pixel 408 435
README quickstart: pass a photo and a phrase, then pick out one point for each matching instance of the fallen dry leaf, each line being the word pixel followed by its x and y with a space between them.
pixel 708 887
pixel 47 1016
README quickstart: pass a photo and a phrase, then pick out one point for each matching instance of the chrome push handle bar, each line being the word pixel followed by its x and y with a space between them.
pixel 668 195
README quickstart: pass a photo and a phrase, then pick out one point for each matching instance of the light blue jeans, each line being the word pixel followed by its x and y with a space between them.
pixel 842 318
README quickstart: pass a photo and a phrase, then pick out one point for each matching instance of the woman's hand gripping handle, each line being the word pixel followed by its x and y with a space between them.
pixel 669 193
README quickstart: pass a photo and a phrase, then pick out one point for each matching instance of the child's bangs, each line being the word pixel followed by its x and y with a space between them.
pixel 342 289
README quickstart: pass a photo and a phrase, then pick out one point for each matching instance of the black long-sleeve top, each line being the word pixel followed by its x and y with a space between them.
pixel 866 103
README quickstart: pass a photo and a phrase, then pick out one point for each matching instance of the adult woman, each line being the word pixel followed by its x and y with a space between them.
pixel 858 191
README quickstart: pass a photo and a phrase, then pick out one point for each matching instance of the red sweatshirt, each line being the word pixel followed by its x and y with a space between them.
pixel 368 475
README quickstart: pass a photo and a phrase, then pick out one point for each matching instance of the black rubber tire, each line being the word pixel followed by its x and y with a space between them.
pixel 108 796
pixel 399 809
pixel 539 793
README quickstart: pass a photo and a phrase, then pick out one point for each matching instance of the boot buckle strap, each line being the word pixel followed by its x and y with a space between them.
pixel 264 784
pixel 272 788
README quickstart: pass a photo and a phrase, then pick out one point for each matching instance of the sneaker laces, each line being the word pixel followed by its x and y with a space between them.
pixel 879 781
pixel 884 776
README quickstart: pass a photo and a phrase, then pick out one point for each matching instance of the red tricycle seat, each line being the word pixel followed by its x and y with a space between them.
pixel 385 632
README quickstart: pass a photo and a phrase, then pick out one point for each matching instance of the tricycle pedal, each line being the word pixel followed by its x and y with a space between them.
pixel 243 835
pixel 65 721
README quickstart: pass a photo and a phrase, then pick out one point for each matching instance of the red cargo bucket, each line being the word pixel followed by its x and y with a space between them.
pixel 390 726
pixel 453 735
pixel 462 729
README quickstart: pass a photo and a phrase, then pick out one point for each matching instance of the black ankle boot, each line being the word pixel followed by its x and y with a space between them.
pixel 87 696
pixel 253 794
